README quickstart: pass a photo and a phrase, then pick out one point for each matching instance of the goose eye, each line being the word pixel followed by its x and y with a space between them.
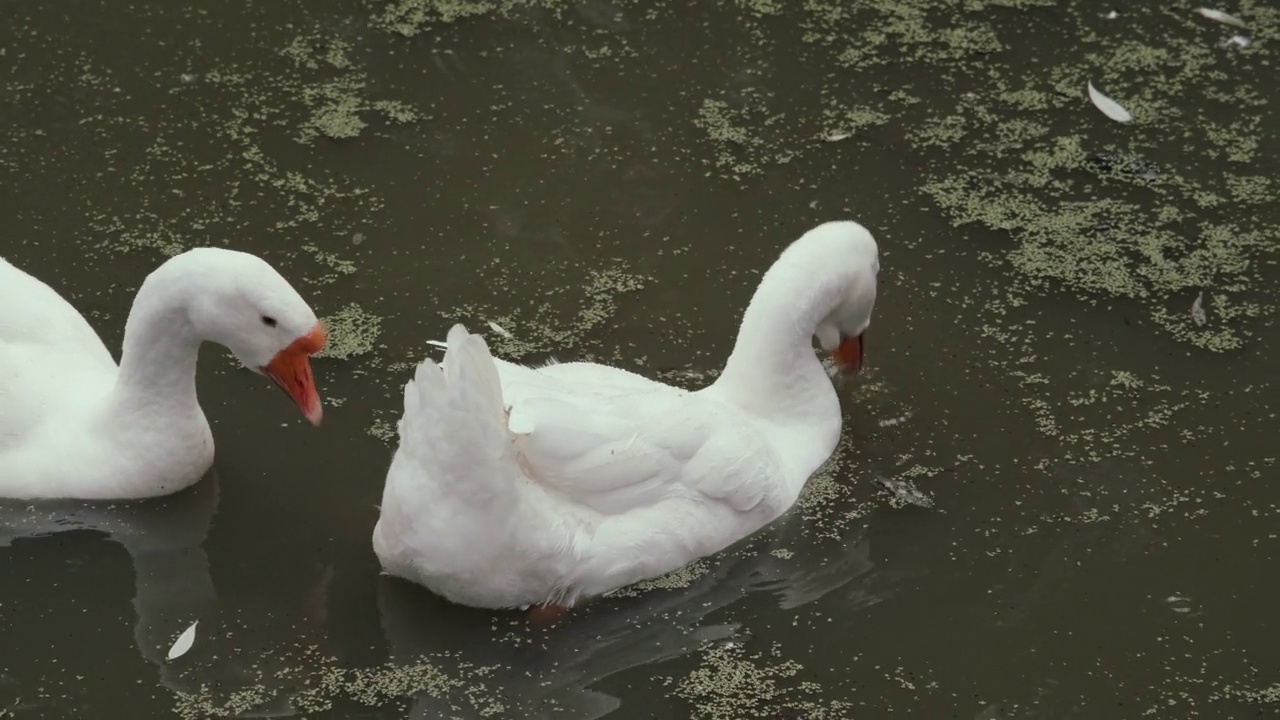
pixel 268 321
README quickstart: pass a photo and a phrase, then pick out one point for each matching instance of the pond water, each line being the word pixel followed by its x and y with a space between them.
pixel 607 181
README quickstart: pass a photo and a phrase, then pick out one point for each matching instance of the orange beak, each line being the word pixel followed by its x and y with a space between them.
pixel 848 355
pixel 291 370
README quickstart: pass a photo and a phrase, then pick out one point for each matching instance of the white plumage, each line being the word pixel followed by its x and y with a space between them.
pixel 516 486
pixel 74 425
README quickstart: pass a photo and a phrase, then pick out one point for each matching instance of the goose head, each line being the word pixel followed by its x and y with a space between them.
pixel 843 331
pixel 245 305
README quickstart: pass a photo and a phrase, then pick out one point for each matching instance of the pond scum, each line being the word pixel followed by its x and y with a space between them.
pixel 319 683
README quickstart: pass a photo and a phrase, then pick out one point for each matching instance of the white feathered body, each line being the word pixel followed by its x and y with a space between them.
pixel 516 486
pixel 56 437
pixel 594 478
pixel 50 357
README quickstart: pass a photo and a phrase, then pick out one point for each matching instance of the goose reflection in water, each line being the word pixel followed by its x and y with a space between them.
pixel 173 587
pixel 552 675
pixel 164 538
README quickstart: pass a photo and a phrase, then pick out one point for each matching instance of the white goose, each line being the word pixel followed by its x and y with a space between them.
pixel 515 486
pixel 74 425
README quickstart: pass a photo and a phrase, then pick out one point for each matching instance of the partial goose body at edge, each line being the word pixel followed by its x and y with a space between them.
pixel 75 425
pixel 50 357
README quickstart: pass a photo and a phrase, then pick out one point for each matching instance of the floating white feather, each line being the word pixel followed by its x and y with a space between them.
pixel 499 329
pixel 1198 315
pixel 1109 107
pixel 183 643
pixel 1219 16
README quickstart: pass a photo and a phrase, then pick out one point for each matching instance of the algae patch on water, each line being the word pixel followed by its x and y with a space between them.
pixel 1119 217
pixel 732 685
pixel 337 105
pixel 352 331
pixel 338 265
pixel 744 132
pixel 322 686
pixel 679 578
pixel 545 328
pixel 1155 211
pixel 830 500
pixel 241 108
pixel 337 108
pixel 412 17
pixel 314 52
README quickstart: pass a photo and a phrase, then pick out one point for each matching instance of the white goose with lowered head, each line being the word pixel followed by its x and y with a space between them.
pixel 515 486
pixel 74 425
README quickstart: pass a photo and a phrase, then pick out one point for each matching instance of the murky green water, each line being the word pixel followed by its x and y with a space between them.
pixel 607 181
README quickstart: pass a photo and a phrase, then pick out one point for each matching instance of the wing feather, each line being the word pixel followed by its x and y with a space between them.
pixel 620 450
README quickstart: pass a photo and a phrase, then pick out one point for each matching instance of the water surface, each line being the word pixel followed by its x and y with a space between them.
pixel 607 181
